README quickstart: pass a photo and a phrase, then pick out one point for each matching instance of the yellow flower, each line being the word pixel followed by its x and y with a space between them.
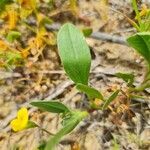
pixel 21 121
pixel 13 18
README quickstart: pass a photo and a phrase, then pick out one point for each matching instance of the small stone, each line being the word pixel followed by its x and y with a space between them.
pixel 91 142
pixel 145 136
pixel 37 88
pixel 44 88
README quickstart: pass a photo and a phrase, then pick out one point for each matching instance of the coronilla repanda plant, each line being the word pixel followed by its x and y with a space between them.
pixel 76 59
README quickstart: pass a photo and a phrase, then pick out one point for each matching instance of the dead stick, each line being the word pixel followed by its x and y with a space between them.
pixel 96 35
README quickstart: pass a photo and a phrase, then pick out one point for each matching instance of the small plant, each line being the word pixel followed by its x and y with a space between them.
pixel 76 59
pixel 140 41
pixel 142 18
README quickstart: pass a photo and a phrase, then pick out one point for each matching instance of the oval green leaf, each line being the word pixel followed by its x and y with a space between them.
pixel 74 53
pixel 54 107
pixel 141 43
pixel 91 92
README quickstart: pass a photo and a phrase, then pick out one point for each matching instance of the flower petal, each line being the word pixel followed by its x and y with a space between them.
pixel 15 125
pixel 22 114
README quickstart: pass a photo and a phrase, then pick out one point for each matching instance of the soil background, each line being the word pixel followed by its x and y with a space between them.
pixel 42 78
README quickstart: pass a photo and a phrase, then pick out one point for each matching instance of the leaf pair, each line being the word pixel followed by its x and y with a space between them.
pixel 92 93
pixel 76 58
pixel 70 123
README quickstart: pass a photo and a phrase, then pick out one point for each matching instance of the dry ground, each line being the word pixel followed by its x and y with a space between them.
pixel 44 79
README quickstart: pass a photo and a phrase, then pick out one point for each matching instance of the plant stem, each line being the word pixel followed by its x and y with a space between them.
pixel 140 88
pixel 147 75
pixel 45 130
pixel 134 4
pixel 138 96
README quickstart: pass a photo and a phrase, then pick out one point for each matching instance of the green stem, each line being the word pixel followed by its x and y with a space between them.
pixel 134 4
pixel 140 88
pixel 147 76
pixel 138 96
pixel 45 130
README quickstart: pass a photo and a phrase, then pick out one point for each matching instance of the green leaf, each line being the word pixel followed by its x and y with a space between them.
pixel 135 8
pixel 87 31
pixel 91 92
pixel 127 77
pixel 3 3
pixel 12 36
pixel 42 145
pixel 74 53
pixel 115 144
pixel 31 124
pixel 141 43
pixel 11 58
pixel 110 99
pixel 71 123
pixel 54 107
